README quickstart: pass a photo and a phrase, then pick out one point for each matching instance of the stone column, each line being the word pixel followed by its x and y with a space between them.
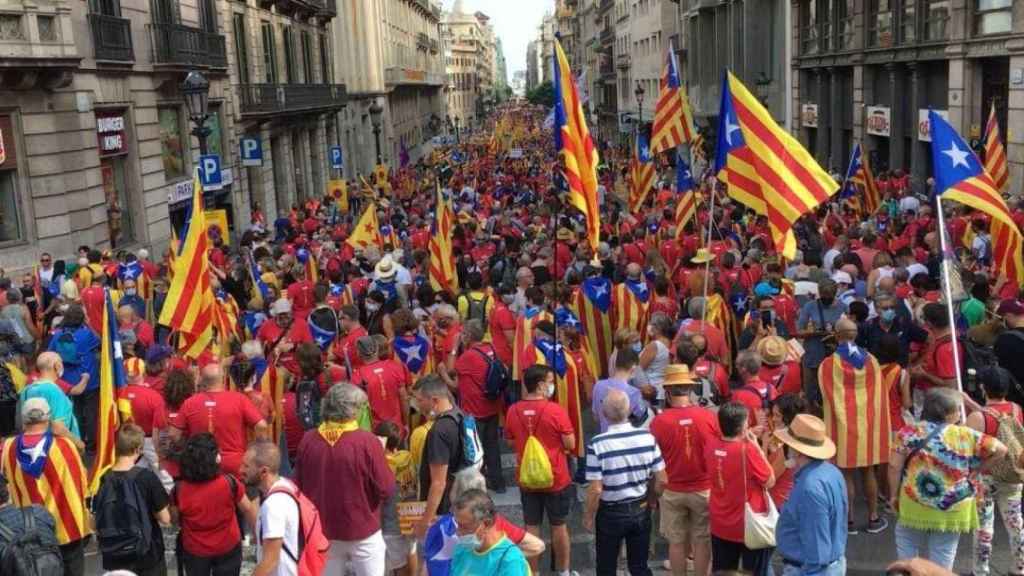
pixel 1015 119
pixel 823 95
pixel 895 118
pixel 917 160
pixel 836 122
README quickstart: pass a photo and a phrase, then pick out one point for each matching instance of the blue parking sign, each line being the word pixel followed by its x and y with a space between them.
pixel 252 151
pixel 337 160
pixel 209 172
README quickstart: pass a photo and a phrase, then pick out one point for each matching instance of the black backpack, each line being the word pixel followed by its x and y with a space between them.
pixel 307 403
pixel 8 393
pixel 124 528
pixel 498 379
pixel 26 554
pixel 477 308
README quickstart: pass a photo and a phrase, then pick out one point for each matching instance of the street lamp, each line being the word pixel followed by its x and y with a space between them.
pixel 639 93
pixel 763 83
pixel 196 90
pixel 376 111
pixel 458 139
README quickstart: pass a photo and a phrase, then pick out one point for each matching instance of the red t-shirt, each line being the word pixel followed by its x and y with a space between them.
pixel 502 319
pixel 720 378
pixel 754 401
pixel 634 254
pixel 301 296
pixel 207 515
pixel 514 533
pixel 1003 408
pixel 298 333
pixel 228 415
pixel 730 491
pixel 383 383
pixel 784 378
pixel 143 332
pixel 345 347
pixel 549 423
pixel 293 429
pixel 471 370
pixel 938 361
pixel 682 434
pixel 147 407
pixel 446 343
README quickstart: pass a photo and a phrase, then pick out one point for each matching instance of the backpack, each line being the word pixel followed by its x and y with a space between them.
pixel 535 467
pixel 975 357
pixel 26 554
pixel 311 557
pixel 477 308
pixel 469 437
pixel 498 379
pixel 307 403
pixel 766 401
pixel 8 390
pixel 123 526
pixel 66 348
pixel 1010 432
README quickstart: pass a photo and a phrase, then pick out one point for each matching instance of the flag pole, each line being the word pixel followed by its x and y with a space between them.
pixel 948 295
pixel 707 246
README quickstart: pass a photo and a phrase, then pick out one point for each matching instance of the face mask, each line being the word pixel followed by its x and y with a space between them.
pixel 550 391
pixel 470 541
pixel 637 347
pixel 130 291
pixel 372 307
pixel 827 301
pixel 888 315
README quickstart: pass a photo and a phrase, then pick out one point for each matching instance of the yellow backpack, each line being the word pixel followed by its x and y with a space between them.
pixel 535 469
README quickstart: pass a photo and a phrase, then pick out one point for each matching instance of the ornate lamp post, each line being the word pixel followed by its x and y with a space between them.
pixel 376 111
pixel 196 90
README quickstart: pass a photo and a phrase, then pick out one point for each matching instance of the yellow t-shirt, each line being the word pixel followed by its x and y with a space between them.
pixel 417 440
pixel 477 295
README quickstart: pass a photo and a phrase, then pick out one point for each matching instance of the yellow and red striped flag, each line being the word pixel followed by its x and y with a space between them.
pixel 1006 250
pixel 686 208
pixel 995 153
pixel 859 173
pixel 367 230
pixel 443 276
pixel 189 304
pixel 719 313
pixel 593 304
pixel 766 168
pixel 111 405
pixel 856 405
pixel 630 300
pixel 567 382
pixel 641 170
pixel 172 252
pixel 523 341
pixel 673 120
pixel 574 145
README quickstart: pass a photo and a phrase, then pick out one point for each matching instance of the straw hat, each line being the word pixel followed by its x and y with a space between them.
pixel 385 269
pixel 702 257
pixel 677 375
pixel 772 350
pixel 806 434
pixel 564 235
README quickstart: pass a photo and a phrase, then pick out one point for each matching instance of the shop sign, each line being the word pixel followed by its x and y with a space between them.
pixel 924 128
pixel 180 192
pixel 110 131
pixel 809 115
pixel 878 121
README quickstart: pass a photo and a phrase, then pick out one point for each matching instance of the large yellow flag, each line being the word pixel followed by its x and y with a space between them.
pixel 367 230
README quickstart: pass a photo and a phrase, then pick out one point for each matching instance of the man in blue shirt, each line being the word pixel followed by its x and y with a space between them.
pixel 817 319
pixel 77 345
pixel 811 532
pixel 625 362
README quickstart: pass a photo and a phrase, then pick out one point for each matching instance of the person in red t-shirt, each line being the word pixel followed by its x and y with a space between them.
pixel 208 502
pixel 935 367
pixel 226 414
pixel 148 409
pixel 756 394
pixel 739 474
pixel 301 295
pixel 281 336
pixel 344 350
pixel 536 415
pixel 384 384
pixel 783 375
pixel 682 431
pixel 447 336
pixel 503 325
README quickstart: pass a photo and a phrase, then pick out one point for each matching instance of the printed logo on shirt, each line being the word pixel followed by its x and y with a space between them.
pixel 529 412
pixel 686 422
pixel 721 453
pixel 210 404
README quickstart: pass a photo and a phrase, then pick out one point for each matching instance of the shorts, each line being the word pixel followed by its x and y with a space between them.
pixel 684 515
pixel 398 548
pixel 557 505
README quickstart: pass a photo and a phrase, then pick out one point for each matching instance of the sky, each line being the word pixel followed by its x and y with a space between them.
pixel 515 22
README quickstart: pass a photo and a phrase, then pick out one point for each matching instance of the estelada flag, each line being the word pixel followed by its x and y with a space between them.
pixel 856 404
pixel 523 343
pixel 593 305
pixel 629 306
pixel 567 383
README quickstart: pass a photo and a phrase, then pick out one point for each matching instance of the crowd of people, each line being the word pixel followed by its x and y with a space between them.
pixel 684 381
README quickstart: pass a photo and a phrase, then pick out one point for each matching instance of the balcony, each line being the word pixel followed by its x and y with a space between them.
pixel 434 46
pixel 328 10
pixel 38 51
pixel 271 99
pixel 422 41
pixel 607 36
pixel 176 45
pixel 622 60
pixel 112 38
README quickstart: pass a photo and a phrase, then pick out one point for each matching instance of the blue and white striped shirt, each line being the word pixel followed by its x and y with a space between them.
pixel 624 459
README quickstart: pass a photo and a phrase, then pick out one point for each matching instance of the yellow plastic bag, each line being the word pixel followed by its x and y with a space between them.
pixel 535 469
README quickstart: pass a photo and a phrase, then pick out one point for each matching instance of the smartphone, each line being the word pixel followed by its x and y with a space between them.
pixel 766 319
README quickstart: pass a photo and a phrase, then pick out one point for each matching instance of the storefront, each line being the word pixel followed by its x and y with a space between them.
pixel 113 150
pixel 11 228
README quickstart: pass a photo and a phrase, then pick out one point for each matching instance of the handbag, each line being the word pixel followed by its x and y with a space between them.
pixel 758 527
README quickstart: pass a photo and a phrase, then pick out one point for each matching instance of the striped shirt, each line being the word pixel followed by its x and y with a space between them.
pixel 624 459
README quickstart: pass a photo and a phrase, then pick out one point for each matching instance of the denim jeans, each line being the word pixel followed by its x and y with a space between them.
pixel 615 523
pixel 837 568
pixel 939 547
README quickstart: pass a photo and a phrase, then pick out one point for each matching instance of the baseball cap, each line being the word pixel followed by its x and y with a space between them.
pixel 33 408
pixel 841 277
pixel 281 306
pixel 1011 306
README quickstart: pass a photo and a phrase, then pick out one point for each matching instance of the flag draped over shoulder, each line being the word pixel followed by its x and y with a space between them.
pixel 995 153
pixel 629 306
pixel 764 167
pixel 686 202
pixel 367 230
pixel 673 120
pixel 574 145
pixel 523 341
pixel 443 276
pixel 641 170
pixel 567 383
pixel 112 381
pixel 960 176
pixel 188 307
pixel 719 314
pixel 856 405
pixel 593 304
pixel 859 174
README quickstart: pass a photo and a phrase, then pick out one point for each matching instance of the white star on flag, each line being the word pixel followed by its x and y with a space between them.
pixel 729 129
pixel 600 290
pixel 35 452
pixel 957 155
pixel 413 353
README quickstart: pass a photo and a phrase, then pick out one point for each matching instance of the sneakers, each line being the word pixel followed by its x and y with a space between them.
pixel 851 529
pixel 877 525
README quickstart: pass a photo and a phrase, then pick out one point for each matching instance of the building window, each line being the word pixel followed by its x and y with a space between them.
pixel 113 148
pixel 993 17
pixel 908 22
pixel 808 27
pixel 880 17
pixel 241 48
pixel 936 19
pixel 10 216
pixel 172 144
pixel 105 7
pixel 289 55
pixel 208 15
pixel 307 58
pixel 215 141
pixel 325 67
pixel 844 36
pixel 269 53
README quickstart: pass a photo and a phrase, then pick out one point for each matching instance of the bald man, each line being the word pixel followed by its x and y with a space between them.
pixel 50 368
pixel 856 414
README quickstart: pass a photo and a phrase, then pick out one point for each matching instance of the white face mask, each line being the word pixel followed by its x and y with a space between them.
pixel 470 541
pixel 372 307
pixel 550 391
